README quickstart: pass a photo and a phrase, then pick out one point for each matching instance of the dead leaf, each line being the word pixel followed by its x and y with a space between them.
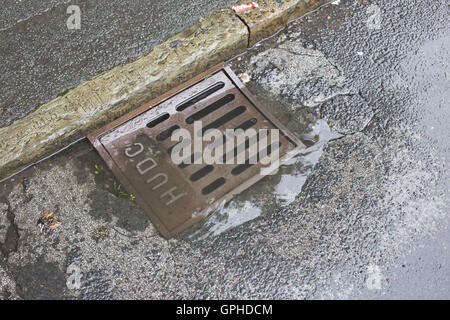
pixel 47 215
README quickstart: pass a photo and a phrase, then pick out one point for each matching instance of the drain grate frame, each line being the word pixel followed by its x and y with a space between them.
pixel 137 146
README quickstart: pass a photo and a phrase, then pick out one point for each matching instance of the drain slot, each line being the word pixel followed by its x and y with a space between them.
pixel 200 96
pixel 161 118
pixel 247 124
pixel 213 186
pixel 243 167
pixel 210 109
pixel 224 119
pixel 234 153
pixel 244 126
pixel 240 168
pixel 201 173
pixel 189 160
pixel 167 133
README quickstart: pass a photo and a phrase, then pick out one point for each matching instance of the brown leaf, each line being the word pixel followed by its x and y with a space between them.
pixel 54 224
pixel 47 215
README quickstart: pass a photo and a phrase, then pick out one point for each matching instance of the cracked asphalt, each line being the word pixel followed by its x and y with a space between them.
pixel 362 213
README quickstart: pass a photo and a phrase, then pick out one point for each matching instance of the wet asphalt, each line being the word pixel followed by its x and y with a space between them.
pixel 362 213
pixel 42 58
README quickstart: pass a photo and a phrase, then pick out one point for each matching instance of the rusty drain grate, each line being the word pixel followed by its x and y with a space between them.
pixel 137 149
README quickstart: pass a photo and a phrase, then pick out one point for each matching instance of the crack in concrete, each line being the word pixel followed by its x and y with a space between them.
pixel 350 94
pixel 247 26
pixel 343 93
pixel 304 54
pixel 362 130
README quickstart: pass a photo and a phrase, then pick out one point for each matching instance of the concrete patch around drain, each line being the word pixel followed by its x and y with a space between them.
pixel 299 73
pixel 302 76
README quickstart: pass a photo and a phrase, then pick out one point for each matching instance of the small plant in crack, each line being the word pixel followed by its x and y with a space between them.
pixel 104 177
pixel 63 93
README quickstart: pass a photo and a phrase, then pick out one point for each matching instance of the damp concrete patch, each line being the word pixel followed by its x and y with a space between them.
pixel 297 71
pixel 291 68
pixel 348 113
pixel 41 281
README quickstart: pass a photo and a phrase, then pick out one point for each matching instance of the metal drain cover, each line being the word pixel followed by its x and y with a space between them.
pixel 137 148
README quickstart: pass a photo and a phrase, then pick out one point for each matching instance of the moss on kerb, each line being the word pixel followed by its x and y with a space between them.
pixel 63 93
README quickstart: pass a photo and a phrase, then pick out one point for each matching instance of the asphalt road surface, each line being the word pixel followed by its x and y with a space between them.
pixel 362 213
